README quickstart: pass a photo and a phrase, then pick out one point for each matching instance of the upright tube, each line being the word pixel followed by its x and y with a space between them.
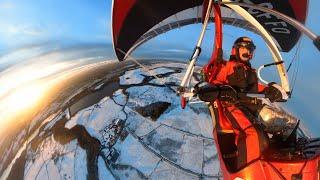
pixel 187 77
pixel 197 50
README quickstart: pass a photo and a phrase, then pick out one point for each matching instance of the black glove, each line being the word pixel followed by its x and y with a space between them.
pixel 210 92
pixel 273 93
pixel 227 93
pixel 206 92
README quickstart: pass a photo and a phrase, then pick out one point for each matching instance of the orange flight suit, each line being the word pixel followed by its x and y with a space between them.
pixel 250 138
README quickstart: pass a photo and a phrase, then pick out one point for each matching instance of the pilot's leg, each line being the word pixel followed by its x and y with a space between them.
pixel 250 141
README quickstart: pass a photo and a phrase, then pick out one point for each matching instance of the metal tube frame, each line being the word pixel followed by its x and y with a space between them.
pixel 293 22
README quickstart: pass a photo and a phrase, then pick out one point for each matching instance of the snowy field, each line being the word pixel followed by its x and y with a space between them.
pixel 138 132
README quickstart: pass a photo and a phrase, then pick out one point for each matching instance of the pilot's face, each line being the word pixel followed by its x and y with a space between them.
pixel 245 54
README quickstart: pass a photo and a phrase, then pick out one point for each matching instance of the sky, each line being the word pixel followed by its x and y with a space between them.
pixel 30 28
pixel 25 22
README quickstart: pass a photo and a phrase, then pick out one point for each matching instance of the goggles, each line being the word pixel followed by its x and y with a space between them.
pixel 248 45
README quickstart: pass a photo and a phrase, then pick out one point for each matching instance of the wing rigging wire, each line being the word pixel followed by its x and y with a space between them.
pixel 295 58
pixel 146 69
pixel 296 73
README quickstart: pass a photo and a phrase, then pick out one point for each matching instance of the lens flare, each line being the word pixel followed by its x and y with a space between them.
pixel 20 102
pixel 24 97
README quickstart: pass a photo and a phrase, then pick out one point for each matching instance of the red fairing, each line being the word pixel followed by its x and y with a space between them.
pixel 264 170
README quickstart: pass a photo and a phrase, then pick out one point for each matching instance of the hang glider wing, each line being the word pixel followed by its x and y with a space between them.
pixel 137 21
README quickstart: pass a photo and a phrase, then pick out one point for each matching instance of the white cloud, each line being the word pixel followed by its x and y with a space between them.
pixel 26 29
pixel 6 5
pixel 12 29
pixel 12 33
pixel 176 50
pixel 39 62
pixel 34 31
pixel 21 55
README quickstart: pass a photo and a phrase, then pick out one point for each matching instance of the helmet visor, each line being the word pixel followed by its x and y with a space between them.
pixel 248 45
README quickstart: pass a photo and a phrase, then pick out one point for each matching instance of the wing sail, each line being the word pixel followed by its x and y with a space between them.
pixel 137 21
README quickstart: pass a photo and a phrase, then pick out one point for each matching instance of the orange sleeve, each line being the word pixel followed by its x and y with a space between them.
pixel 261 87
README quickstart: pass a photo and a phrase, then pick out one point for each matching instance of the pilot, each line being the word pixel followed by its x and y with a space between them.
pixel 250 119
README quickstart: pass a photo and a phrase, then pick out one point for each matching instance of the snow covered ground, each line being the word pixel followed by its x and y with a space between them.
pixel 139 132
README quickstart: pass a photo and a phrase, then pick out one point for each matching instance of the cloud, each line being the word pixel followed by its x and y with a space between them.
pixel 27 29
pixel 6 5
pixel 176 51
pixel 37 62
pixel 12 35
pixel 33 31
pixel 18 75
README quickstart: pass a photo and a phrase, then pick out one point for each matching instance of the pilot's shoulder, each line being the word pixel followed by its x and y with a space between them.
pixel 234 64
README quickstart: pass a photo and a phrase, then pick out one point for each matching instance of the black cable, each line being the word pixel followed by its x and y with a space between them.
pixel 294 56
pixel 297 68
pixel 277 171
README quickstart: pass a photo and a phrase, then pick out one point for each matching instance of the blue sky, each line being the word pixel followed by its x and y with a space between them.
pixel 29 23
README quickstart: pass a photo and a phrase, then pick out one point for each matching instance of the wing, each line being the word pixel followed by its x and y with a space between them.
pixel 137 21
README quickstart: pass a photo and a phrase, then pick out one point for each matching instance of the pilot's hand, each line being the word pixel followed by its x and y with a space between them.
pixel 228 93
pixel 206 92
pixel 275 93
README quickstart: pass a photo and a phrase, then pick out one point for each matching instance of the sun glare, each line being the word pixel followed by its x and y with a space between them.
pixel 24 97
pixel 21 100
